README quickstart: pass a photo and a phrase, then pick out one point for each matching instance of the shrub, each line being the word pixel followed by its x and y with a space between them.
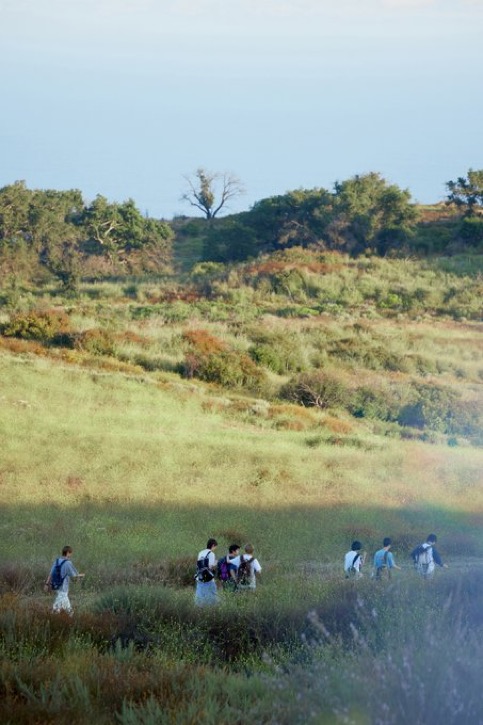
pixel 373 403
pixel 432 407
pixel 41 325
pixel 279 352
pixel 211 359
pixel 318 389
pixel 471 231
pixel 15 578
pixel 228 368
pixel 203 343
pixel 94 341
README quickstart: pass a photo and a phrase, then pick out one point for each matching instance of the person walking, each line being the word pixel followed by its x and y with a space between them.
pixel 248 569
pixel 353 561
pixel 384 560
pixel 206 593
pixel 228 567
pixel 425 557
pixel 62 571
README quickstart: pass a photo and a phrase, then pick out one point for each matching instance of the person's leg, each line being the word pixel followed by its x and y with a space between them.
pixel 62 603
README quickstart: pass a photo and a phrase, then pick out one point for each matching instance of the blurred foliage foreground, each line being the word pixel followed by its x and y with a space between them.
pixel 320 651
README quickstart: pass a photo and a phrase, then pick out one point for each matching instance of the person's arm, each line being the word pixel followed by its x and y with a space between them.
pixel 71 571
pixel 437 559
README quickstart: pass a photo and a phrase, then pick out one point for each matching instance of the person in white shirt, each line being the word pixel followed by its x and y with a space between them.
pixel 353 561
pixel 67 571
pixel 248 569
pixel 206 593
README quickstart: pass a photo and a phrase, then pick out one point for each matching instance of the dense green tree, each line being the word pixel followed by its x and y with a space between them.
pixel 370 213
pixel 467 192
pixel 14 211
pixel 119 229
pixel 229 241
pixel 39 225
pixel 297 218
pixel 55 231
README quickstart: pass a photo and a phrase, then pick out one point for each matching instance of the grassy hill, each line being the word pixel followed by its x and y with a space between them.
pixel 297 402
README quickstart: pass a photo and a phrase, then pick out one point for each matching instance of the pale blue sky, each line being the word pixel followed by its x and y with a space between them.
pixel 125 97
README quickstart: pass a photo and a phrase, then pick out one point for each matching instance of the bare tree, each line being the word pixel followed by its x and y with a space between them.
pixel 209 192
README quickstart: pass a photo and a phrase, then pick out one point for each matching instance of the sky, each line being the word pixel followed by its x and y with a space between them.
pixel 127 98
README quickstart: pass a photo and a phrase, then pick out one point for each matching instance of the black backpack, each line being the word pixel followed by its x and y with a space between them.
pixel 203 571
pixel 56 580
pixel 244 571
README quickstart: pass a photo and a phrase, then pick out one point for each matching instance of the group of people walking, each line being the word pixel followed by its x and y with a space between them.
pixel 425 557
pixel 238 571
pixel 232 573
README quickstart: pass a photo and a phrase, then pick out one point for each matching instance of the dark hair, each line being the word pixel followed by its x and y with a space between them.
pixel 432 537
pixel 66 550
pixel 387 541
pixel 356 545
pixel 233 547
pixel 211 543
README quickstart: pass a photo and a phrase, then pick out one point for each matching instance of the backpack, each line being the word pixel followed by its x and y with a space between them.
pixel 203 571
pixel 224 570
pixel 244 571
pixel 422 556
pixel 352 571
pixel 56 580
pixel 380 569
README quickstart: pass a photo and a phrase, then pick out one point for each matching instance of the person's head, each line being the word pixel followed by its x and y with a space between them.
pixel 356 546
pixel 249 549
pixel 234 548
pixel 387 542
pixel 67 551
pixel 211 544
pixel 432 539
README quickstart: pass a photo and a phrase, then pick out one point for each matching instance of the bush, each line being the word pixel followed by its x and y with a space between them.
pixel 471 231
pixel 228 369
pixel 373 403
pixel 15 578
pixel 432 407
pixel 41 325
pixel 94 341
pixel 211 359
pixel 279 352
pixel 318 389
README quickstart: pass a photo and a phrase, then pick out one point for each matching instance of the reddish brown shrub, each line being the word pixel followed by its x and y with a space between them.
pixel 204 343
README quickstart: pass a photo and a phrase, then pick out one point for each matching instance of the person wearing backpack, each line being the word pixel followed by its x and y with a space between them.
pixel 61 573
pixel 248 570
pixel 425 556
pixel 384 560
pixel 206 593
pixel 228 567
pixel 353 561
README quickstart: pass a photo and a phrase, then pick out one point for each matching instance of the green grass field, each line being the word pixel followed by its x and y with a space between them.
pixel 106 446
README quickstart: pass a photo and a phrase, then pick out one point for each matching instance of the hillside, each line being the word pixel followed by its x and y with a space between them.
pixel 298 401
pixel 390 346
